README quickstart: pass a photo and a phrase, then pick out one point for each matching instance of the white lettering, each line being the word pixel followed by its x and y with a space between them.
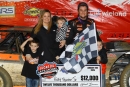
pixel 114 13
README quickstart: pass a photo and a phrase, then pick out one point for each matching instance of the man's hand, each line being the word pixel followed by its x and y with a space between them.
pixel 62 43
pixel 57 57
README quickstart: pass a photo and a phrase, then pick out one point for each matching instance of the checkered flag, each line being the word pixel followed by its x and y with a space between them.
pixel 84 48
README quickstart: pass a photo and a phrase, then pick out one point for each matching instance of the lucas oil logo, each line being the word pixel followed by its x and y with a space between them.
pixel 32 11
pixel 7 11
pixel 47 70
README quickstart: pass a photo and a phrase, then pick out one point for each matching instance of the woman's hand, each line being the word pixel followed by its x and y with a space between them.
pixel 62 43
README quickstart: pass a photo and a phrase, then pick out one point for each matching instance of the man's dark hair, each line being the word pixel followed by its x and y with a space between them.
pixel 35 40
pixel 82 4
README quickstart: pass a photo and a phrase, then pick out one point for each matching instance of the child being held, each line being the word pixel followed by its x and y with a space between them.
pixel 31 62
pixel 60 35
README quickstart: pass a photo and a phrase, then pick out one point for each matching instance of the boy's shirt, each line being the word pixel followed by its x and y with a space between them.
pixel 102 53
pixel 29 70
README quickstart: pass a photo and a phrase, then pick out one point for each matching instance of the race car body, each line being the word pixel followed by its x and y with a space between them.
pixel 112 18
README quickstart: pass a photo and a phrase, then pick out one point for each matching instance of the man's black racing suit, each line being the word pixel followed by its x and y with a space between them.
pixel 76 26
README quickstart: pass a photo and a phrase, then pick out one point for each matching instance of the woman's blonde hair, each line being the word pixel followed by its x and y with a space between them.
pixel 40 21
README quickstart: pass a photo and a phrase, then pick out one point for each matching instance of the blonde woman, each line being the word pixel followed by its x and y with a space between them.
pixel 45 31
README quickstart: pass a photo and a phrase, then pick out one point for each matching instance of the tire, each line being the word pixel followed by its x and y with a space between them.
pixel 5 79
pixel 125 77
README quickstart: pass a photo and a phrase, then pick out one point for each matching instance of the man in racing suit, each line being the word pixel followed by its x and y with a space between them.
pixel 77 25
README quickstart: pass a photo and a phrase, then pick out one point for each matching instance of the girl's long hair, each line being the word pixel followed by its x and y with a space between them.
pixel 40 21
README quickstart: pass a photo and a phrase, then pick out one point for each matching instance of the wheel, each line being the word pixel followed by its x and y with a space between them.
pixel 5 79
pixel 125 77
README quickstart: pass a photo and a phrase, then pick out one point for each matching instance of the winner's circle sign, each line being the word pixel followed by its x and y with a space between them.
pixel 53 75
pixel 47 70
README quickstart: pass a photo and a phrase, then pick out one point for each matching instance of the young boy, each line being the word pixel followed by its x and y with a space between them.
pixel 60 35
pixel 30 65
pixel 101 59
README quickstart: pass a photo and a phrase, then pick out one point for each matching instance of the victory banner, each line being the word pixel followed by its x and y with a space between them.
pixel 84 48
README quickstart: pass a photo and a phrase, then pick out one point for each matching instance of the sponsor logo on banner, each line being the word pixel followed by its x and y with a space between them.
pixel 118 36
pixel 98 13
pixel 7 11
pixel 113 13
pixel 94 13
pixel 78 47
pixel 32 11
pixel 30 19
pixel 47 70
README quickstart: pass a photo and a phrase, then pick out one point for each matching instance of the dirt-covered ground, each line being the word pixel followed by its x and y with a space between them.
pixel 15 68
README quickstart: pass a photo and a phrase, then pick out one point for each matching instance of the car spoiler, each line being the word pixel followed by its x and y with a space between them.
pixel 15 29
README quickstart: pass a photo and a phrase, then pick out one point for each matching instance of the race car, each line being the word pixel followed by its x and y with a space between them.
pixel 112 18
pixel 118 66
pixel 11 58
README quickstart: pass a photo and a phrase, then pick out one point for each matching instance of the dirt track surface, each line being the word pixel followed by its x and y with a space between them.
pixel 15 69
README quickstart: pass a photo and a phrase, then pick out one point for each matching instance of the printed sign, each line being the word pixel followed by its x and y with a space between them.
pixel 32 11
pixel 89 76
pixel 7 11
pixel 47 70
